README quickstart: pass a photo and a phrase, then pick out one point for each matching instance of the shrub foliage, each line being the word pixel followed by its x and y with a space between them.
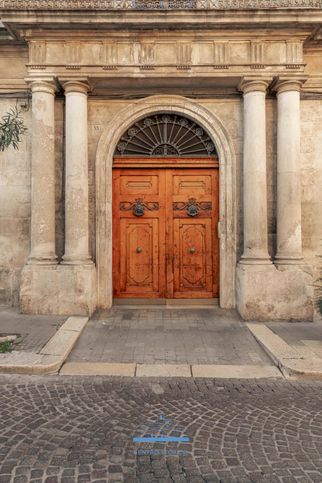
pixel 12 129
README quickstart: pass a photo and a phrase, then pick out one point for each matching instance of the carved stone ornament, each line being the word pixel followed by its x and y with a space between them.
pixel 156 4
pixel 192 206
pixel 138 207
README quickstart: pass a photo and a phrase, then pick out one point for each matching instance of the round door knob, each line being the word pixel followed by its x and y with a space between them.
pixel 139 250
pixel 192 250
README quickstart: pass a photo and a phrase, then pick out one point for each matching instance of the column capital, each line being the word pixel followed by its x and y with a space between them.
pixel 286 84
pixel 81 86
pixel 250 84
pixel 48 85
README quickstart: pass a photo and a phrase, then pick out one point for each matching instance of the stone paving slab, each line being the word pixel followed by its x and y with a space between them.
pixel 290 360
pixel 293 333
pixel 235 372
pixel 97 369
pixel 65 338
pixel 163 370
pixel 168 336
pixel 76 430
pixel 35 330
pixel 169 370
pixel 314 346
pixel 50 359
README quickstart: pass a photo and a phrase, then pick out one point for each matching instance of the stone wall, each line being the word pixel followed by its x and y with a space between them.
pixel 15 181
pixel 14 211
pixel 312 187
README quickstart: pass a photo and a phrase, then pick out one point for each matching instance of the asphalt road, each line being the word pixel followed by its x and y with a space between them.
pixel 70 430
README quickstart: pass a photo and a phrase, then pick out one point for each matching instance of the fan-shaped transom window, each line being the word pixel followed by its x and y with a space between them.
pixel 165 135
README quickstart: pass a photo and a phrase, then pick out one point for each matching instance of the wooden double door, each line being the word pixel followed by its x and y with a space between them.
pixel 165 242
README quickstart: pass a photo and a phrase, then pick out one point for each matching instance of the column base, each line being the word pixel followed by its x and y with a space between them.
pixel 288 262
pixel 42 261
pixel 58 289
pixel 255 261
pixel 266 293
pixel 76 261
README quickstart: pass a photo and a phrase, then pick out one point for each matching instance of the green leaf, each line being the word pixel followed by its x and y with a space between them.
pixel 11 129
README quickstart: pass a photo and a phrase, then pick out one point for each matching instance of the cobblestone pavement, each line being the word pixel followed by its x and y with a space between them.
pixel 70 430
pixel 171 336
pixel 34 330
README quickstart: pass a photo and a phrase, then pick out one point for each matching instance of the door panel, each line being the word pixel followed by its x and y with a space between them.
pixel 186 185
pixel 193 267
pixel 165 240
pixel 137 184
pixel 139 256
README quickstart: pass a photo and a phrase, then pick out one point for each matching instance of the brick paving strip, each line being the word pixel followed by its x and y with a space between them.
pixel 51 357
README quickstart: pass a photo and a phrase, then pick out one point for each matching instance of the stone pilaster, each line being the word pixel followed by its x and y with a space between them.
pixel 76 171
pixel 43 173
pixel 255 182
pixel 289 229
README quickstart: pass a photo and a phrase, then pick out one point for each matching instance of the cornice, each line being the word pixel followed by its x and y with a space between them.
pixel 157 4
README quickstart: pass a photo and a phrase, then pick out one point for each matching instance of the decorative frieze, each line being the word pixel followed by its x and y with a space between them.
pixel 37 52
pixel 73 55
pixel 221 53
pixel 150 53
pixel 184 50
pixel 257 53
pixel 147 54
pixel 294 52
pixel 157 4
pixel 108 57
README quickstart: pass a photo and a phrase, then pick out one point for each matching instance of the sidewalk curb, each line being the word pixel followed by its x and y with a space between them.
pixel 51 357
pixel 290 362
pixel 169 370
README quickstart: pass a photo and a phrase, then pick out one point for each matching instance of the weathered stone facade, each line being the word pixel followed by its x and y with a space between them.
pixel 84 74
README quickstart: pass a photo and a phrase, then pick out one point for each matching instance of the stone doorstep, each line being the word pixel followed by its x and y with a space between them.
pixel 169 370
pixel 51 357
pixel 291 362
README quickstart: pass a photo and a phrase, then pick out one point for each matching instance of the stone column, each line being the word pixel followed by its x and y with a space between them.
pixel 76 172
pixel 289 231
pixel 255 183
pixel 43 174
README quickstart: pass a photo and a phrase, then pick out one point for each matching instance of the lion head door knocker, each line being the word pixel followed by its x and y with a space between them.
pixel 138 207
pixel 192 206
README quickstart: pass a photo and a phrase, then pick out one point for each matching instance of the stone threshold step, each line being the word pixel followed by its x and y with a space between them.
pixel 169 370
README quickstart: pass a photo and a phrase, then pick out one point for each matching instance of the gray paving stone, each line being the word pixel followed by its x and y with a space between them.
pixel 168 336
pixel 35 330
pixel 240 431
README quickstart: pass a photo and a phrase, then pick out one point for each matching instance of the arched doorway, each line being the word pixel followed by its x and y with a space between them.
pixel 165 210
pixel 115 128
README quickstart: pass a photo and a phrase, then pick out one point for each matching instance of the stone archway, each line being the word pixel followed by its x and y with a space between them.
pixel 227 188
